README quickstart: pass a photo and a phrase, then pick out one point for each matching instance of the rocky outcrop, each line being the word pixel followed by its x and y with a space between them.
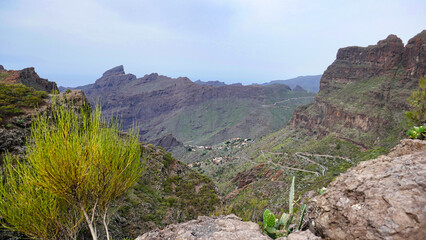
pixel 357 63
pixel 76 98
pixel 384 198
pixel 30 78
pixel 215 228
pixel 1 67
pixel 167 142
pixel 328 115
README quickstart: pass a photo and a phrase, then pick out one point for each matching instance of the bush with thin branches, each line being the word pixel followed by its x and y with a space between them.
pixel 81 161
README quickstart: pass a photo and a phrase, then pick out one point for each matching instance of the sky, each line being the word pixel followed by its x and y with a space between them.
pixel 72 42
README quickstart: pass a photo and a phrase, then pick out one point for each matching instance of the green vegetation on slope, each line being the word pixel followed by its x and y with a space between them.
pixel 216 120
pixel 168 192
pixel 15 98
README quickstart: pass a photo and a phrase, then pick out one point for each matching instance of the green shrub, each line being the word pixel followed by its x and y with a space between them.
pixel 15 97
pixel 417 101
pixel 80 161
pixel 417 133
pixel 27 208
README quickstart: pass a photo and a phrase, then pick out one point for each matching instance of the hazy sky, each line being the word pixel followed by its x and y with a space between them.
pixel 73 42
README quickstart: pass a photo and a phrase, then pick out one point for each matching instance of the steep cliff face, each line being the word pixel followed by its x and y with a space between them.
pixel 363 93
pixel 200 114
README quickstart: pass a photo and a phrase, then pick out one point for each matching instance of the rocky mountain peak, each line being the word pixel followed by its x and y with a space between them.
pixel 113 77
pixel 114 71
pixel 391 39
pixel 1 67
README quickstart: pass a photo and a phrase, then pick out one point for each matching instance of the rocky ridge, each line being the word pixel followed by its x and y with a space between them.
pixel 28 77
pixel 365 90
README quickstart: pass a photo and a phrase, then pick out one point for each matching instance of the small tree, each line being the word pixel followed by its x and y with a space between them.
pixel 77 159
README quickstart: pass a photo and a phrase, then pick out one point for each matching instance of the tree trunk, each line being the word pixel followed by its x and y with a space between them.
pixel 106 225
pixel 90 224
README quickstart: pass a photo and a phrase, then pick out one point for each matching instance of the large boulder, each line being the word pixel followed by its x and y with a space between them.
pixel 216 228
pixel 384 198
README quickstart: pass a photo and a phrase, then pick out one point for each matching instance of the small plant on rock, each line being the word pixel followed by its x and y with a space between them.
pixel 286 224
pixel 417 133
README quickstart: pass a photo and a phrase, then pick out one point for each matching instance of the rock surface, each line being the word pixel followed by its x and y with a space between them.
pixel 384 198
pixel 216 228
pixel 304 235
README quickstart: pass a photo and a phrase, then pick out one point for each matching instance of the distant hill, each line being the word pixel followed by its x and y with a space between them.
pixel 310 83
pixel 211 83
pixel 193 113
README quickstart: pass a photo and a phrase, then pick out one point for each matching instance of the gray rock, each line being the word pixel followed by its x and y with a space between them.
pixel 383 198
pixel 1 67
pixel 305 235
pixel 209 228
pixel 12 140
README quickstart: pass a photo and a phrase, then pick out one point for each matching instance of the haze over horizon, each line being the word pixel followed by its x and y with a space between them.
pixel 247 41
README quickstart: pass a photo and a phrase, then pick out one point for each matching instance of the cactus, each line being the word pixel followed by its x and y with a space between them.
pixel 282 227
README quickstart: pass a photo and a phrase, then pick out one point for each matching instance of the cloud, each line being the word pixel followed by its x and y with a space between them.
pixel 228 40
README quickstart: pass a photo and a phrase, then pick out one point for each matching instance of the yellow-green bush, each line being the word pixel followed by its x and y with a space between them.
pixel 74 162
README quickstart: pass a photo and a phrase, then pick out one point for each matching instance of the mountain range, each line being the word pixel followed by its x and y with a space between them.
pixel 310 83
pixel 194 113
